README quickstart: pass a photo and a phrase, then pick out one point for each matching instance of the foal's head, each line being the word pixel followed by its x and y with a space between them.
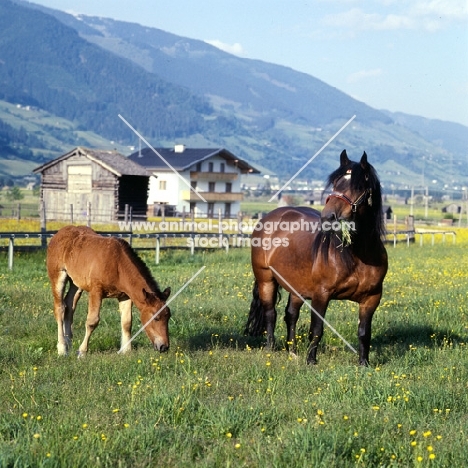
pixel 157 315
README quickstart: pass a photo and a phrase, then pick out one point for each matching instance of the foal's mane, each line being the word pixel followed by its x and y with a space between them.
pixel 373 226
pixel 141 267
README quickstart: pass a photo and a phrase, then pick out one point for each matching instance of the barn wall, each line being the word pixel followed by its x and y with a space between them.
pixel 102 192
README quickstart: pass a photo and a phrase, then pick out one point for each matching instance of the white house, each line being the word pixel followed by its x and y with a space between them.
pixel 198 180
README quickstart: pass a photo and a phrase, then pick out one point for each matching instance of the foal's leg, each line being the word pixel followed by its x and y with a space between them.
pixel 267 292
pixel 71 299
pixel 291 316
pixel 58 287
pixel 366 312
pixel 92 320
pixel 316 328
pixel 125 307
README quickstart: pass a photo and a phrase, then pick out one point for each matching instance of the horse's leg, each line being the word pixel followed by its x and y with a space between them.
pixel 58 288
pixel 125 308
pixel 291 316
pixel 267 291
pixel 92 320
pixel 71 299
pixel 319 307
pixel 366 312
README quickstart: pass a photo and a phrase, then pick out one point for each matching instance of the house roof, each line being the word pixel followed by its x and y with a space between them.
pixel 183 160
pixel 113 161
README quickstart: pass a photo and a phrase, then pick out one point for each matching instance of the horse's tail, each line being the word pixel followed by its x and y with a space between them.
pixel 255 325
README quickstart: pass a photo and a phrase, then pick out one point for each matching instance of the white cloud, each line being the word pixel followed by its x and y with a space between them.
pixel 358 20
pixel 447 10
pixel 235 49
pixel 417 14
pixel 364 74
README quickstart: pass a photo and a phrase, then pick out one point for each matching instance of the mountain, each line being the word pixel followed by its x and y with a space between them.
pixel 174 89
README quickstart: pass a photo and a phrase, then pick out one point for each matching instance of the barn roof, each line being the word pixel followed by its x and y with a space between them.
pixel 113 161
pixel 184 158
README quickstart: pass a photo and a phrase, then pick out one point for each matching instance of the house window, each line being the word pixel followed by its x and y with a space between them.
pixel 210 167
pixel 162 185
pixel 227 210
pixel 193 184
pixel 211 186
pixel 222 167
pixel 210 210
pixel 79 179
pixel 228 187
pixel 199 167
pixel 192 207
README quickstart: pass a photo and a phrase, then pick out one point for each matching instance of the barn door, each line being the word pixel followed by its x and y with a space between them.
pixel 79 184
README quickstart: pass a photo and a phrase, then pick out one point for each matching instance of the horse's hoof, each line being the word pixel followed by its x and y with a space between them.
pixel 80 355
pixel 293 355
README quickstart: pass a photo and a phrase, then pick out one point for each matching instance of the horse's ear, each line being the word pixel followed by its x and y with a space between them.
pixel 166 293
pixel 344 160
pixel 146 293
pixel 364 163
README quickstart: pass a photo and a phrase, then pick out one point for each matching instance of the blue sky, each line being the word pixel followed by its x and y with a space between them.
pixel 409 56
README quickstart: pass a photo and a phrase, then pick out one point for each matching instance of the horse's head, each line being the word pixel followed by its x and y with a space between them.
pixel 157 315
pixel 353 190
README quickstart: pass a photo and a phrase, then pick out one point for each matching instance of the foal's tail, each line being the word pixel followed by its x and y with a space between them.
pixel 255 325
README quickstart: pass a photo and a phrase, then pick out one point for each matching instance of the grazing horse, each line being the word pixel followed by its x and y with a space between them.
pixel 335 254
pixel 104 267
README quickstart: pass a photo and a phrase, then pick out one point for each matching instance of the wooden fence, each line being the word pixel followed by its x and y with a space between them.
pixel 193 241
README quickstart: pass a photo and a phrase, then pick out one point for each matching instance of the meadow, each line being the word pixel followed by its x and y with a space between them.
pixel 219 398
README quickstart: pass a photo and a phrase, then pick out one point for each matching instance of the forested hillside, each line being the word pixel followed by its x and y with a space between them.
pixel 47 65
pixel 77 74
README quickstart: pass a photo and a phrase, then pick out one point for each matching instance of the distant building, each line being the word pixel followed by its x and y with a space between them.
pixel 105 181
pixel 316 197
pixel 387 211
pixel 214 173
pixel 452 208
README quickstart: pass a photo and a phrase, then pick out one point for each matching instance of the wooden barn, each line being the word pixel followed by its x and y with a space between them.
pixel 99 181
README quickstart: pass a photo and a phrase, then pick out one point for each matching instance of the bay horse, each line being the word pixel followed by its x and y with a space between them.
pixel 336 254
pixel 105 267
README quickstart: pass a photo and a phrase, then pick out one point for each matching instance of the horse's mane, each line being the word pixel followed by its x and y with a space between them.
pixel 361 179
pixel 141 267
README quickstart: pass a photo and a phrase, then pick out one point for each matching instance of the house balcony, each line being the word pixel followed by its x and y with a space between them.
pixel 214 176
pixel 212 197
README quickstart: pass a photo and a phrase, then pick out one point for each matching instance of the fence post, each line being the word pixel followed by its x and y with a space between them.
pixel 239 222
pixel 156 255
pixel 10 253
pixel 42 213
pixel 220 228
pixel 410 227
pixel 88 214
pixel 18 212
pixel 71 213
pixel 126 213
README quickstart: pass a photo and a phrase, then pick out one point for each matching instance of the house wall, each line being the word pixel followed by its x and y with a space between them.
pixel 177 192
pixel 168 195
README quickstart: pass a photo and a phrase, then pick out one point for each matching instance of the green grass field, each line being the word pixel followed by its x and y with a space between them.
pixel 218 398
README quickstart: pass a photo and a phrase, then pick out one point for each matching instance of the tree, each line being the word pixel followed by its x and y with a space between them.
pixel 14 193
